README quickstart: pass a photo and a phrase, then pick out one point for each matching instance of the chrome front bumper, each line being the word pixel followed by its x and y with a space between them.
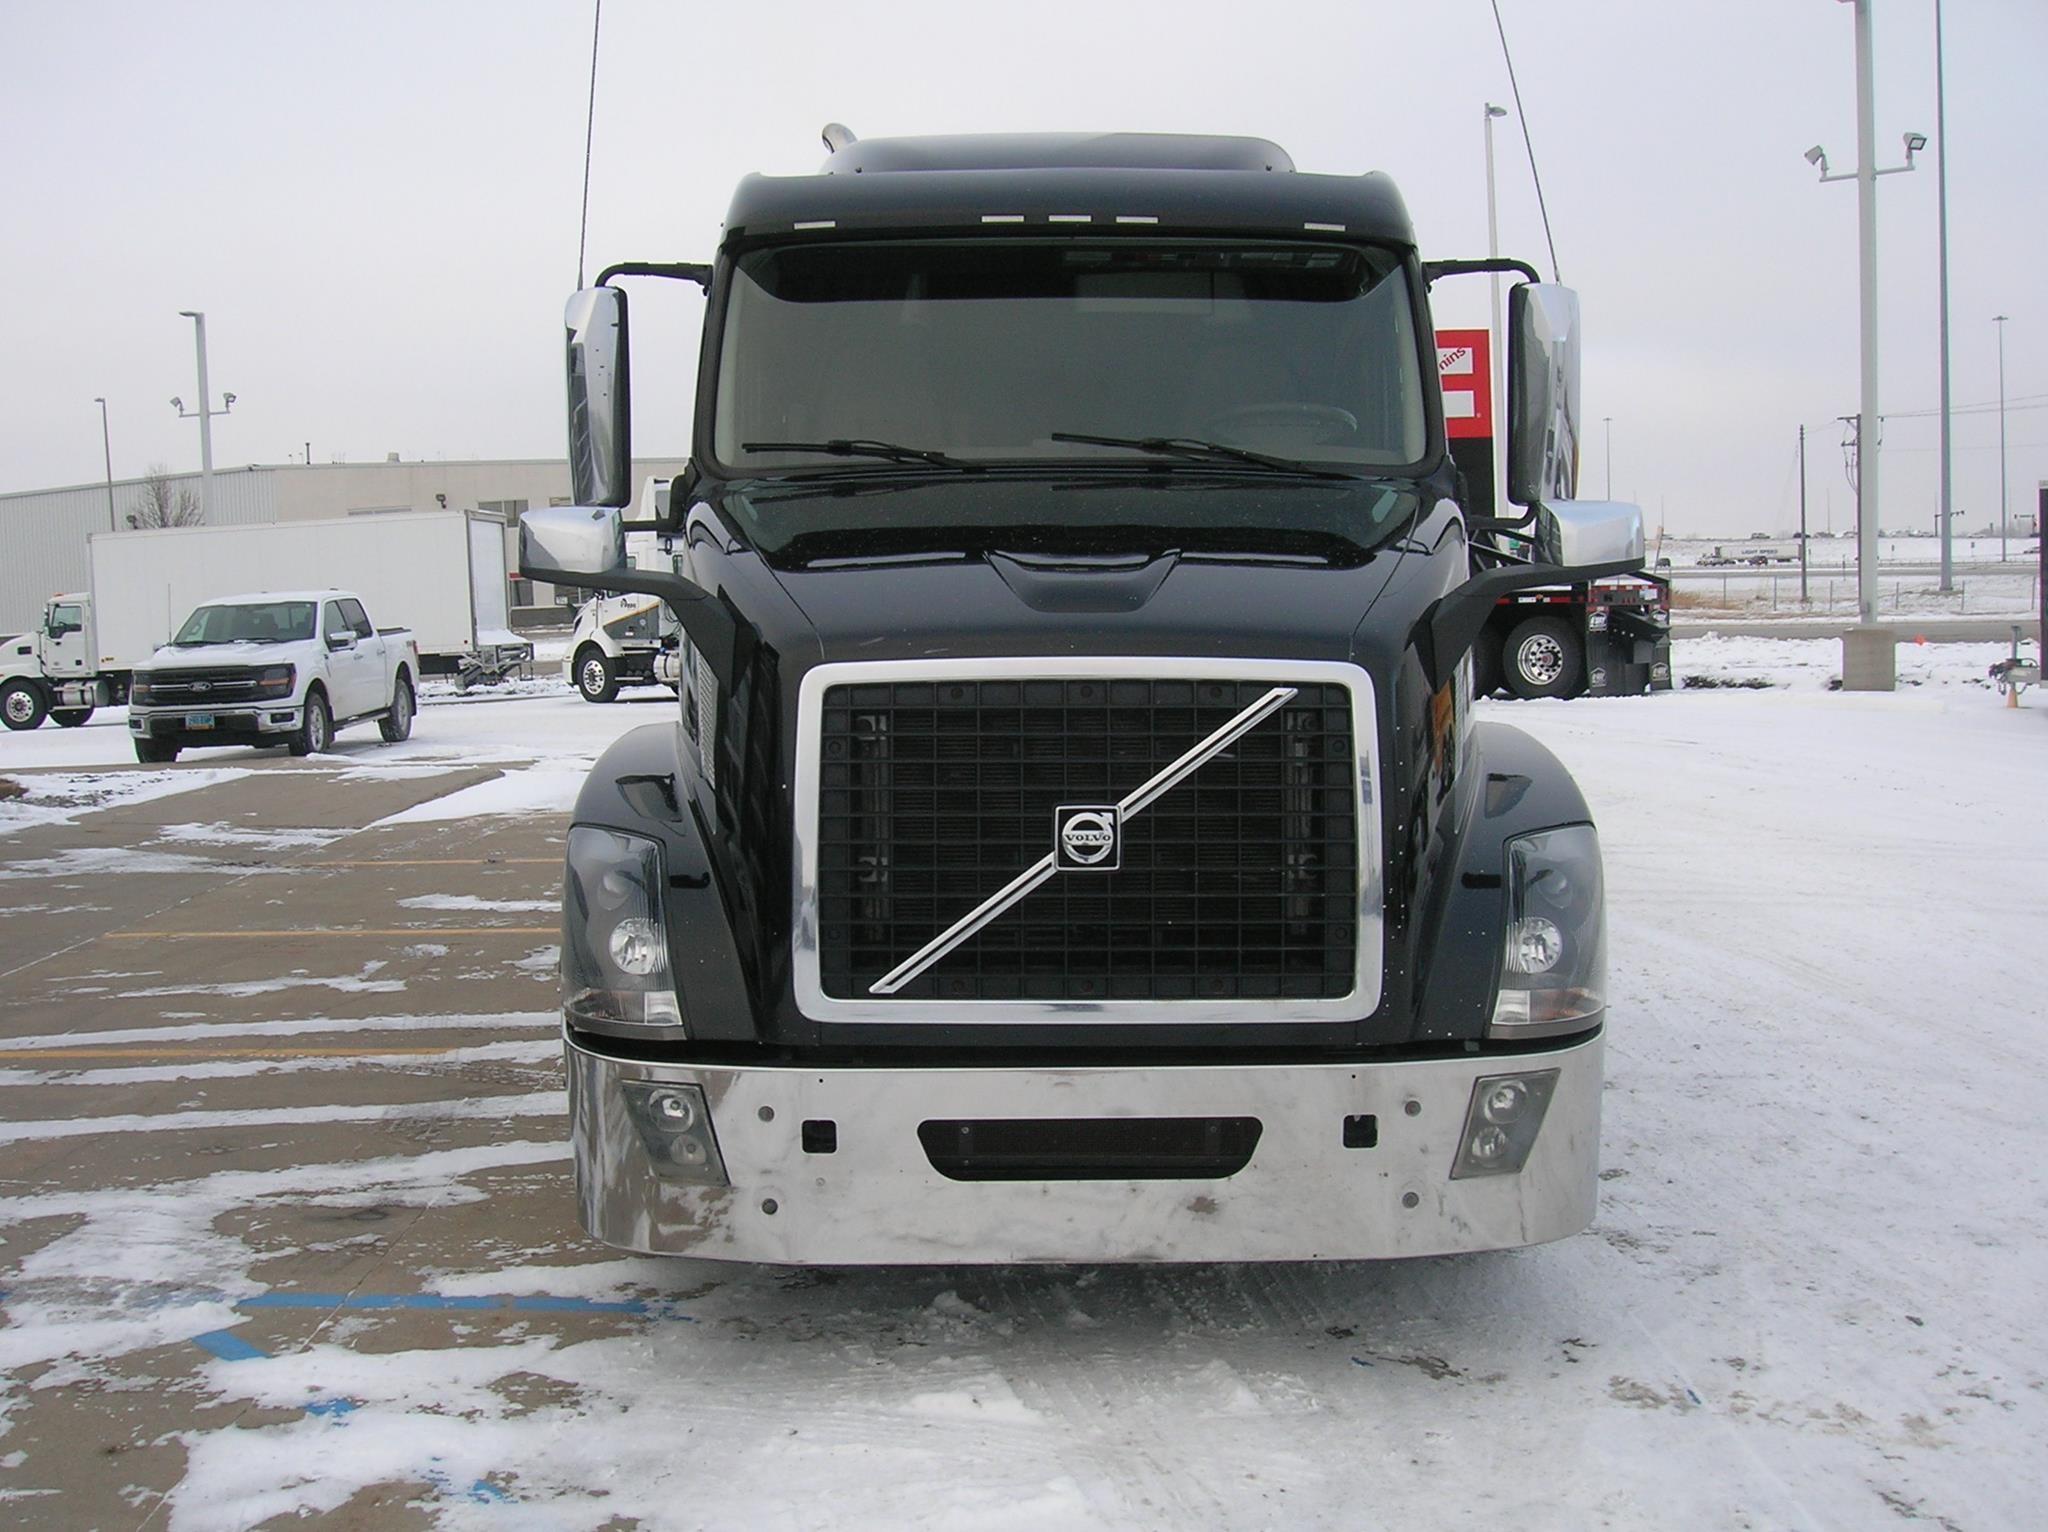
pixel 876 1198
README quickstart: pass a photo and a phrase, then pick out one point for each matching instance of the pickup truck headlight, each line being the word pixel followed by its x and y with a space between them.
pixel 138 686
pixel 276 681
pixel 1554 969
pixel 615 968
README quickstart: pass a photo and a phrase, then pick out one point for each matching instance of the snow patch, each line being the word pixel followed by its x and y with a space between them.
pixel 472 902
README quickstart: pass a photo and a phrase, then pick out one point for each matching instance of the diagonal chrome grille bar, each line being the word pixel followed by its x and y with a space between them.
pixel 1042 870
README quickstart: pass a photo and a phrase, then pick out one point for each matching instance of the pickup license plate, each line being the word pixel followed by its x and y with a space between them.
pixel 199 720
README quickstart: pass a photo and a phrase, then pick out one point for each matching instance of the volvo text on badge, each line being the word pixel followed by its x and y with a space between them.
pixel 1087 837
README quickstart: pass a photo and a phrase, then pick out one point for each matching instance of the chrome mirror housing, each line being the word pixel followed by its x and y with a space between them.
pixel 600 399
pixel 1576 533
pixel 556 541
pixel 1543 393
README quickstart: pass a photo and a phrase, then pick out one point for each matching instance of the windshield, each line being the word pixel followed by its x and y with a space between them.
pixel 838 355
pixel 258 622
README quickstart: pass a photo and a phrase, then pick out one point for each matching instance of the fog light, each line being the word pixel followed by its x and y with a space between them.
pixel 675 1129
pixel 637 948
pixel 1504 1102
pixel 1502 1121
pixel 1535 945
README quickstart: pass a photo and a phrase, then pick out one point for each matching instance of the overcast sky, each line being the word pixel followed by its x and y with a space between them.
pixel 376 204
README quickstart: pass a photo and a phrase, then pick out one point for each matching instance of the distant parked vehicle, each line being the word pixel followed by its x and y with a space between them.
pixel 277 668
pixel 1717 559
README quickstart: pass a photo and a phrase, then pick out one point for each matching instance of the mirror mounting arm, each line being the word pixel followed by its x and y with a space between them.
pixel 684 271
pixel 724 639
pixel 1506 265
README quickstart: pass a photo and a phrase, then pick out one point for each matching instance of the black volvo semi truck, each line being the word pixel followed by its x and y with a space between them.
pixel 1074 842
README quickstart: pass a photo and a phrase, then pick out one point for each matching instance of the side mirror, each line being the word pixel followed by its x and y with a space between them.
pixel 1543 393
pixel 338 643
pixel 560 541
pixel 600 399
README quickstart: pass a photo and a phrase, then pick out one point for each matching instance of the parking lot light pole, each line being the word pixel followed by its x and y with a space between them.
pixel 107 449
pixel 1999 320
pixel 1497 346
pixel 205 412
pixel 1941 282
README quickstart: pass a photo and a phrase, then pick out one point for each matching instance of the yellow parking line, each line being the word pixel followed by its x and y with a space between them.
pixel 405 931
pixel 86 1052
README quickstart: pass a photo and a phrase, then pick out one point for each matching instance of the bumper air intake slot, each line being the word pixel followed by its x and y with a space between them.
pixel 1090 1148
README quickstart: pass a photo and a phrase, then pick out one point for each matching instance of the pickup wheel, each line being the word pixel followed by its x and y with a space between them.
pixel 155 752
pixel 70 717
pixel 1542 659
pixel 396 725
pixel 22 705
pixel 316 728
pixel 595 677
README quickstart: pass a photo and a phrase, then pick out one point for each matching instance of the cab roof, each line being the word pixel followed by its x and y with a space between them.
pixel 1068 183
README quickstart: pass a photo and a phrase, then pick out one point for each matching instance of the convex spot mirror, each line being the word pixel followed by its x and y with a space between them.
pixel 559 540
pixel 1580 533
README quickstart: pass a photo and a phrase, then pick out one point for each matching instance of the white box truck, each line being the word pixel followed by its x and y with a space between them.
pixel 439 573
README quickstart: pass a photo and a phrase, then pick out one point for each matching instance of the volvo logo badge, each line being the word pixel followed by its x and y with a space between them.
pixel 1087 837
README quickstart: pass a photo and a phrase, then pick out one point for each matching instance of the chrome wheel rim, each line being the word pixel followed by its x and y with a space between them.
pixel 1541 658
pixel 21 707
pixel 593 676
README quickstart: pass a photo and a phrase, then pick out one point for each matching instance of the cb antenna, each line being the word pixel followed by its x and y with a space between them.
pixel 589 123
pixel 1528 145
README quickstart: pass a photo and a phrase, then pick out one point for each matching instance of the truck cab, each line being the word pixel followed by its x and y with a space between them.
pixel 48 673
pixel 1077 841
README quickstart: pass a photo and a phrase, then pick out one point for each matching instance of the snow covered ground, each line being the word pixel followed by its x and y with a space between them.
pixel 1811 1298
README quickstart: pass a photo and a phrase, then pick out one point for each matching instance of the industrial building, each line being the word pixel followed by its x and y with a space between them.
pixel 44 531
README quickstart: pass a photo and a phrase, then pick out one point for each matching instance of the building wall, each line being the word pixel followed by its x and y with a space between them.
pixel 43 532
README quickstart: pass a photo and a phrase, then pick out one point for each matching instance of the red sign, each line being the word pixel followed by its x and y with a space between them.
pixel 1464 361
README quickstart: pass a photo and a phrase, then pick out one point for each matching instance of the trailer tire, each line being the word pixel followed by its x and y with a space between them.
pixel 1486 663
pixel 155 752
pixel 23 705
pixel 70 717
pixel 396 725
pixel 316 728
pixel 596 677
pixel 1543 658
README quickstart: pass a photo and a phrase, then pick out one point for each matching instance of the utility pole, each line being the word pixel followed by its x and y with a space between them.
pixel 1608 421
pixel 1804 600
pixel 1941 203
pixel 1497 347
pixel 1999 320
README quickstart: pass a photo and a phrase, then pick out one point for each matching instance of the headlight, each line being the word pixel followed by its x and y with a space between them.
pixel 1554 969
pixel 275 681
pixel 615 967
pixel 138 687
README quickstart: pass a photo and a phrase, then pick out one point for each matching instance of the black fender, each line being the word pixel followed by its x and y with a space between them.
pixel 1522 788
pixel 638 788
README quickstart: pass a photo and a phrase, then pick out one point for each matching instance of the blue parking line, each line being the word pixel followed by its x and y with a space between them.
pixel 229 1347
pixel 532 1303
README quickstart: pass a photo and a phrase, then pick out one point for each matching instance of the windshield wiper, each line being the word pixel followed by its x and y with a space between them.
pixel 840 446
pixel 1195 447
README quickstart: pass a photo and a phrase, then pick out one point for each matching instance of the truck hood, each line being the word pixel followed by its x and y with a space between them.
pixel 1187 564
pixel 244 652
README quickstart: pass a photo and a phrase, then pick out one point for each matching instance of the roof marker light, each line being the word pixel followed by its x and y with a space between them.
pixel 1002 217
pixel 820 223
pixel 1325 228
pixel 1070 218
pixel 1135 218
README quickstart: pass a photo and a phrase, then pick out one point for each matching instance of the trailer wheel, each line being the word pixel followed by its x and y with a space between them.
pixel 595 677
pixel 396 725
pixel 1543 659
pixel 1486 663
pixel 70 717
pixel 22 705
pixel 155 752
pixel 316 729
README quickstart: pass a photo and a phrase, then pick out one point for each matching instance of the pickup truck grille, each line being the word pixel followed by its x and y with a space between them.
pixel 221 687
pixel 1240 884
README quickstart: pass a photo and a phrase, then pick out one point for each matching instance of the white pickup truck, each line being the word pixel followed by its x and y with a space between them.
pixel 280 668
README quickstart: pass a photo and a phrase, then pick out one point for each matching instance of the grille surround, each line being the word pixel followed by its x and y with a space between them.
pixel 808 965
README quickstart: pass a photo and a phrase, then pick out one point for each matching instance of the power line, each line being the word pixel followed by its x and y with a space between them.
pixel 589 128
pixel 1528 144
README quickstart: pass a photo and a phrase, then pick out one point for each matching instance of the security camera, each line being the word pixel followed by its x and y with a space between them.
pixel 1817 156
pixel 177 404
pixel 1915 142
pixel 228 400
